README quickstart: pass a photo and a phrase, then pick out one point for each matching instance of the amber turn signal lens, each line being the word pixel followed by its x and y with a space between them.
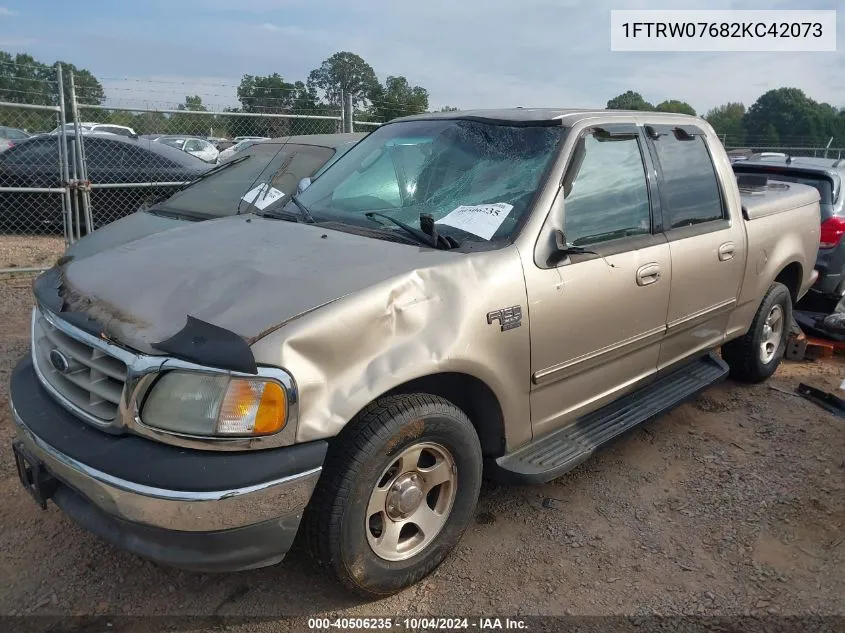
pixel 252 407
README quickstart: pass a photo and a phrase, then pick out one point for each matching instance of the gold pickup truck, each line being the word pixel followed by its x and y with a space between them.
pixel 502 291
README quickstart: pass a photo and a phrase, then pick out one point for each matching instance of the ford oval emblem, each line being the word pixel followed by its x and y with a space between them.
pixel 59 361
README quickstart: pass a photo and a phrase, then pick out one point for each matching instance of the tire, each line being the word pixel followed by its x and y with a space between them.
pixel 745 355
pixel 373 454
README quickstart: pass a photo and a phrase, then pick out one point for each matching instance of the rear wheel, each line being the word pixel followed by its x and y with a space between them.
pixel 756 355
pixel 398 490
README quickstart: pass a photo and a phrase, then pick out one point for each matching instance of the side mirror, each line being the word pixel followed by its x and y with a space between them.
pixel 303 185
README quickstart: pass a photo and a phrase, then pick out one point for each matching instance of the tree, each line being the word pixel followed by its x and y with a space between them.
pixel 448 109
pixel 346 74
pixel 194 104
pixel 629 100
pixel 673 105
pixel 792 115
pixel 397 98
pixel 88 89
pixel 727 121
pixel 270 94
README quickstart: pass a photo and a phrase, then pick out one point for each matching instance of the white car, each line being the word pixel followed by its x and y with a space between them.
pixel 198 147
pixel 238 139
pixel 226 154
pixel 99 128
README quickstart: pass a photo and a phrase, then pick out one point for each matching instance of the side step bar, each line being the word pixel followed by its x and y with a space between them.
pixel 553 455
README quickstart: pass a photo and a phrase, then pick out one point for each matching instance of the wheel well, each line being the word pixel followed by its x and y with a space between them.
pixel 473 397
pixel 791 278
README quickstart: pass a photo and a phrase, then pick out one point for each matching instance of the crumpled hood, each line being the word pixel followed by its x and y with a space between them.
pixel 132 227
pixel 246 274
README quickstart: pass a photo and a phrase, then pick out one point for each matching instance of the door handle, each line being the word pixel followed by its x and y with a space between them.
pixel 726 251
pixel 648 274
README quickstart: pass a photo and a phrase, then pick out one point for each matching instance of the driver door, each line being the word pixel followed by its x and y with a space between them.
pixel 598 317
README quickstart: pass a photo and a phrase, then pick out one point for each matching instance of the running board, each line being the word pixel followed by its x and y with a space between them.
pixel 551 456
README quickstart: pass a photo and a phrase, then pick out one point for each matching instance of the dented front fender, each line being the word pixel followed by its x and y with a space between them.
pixel 424 322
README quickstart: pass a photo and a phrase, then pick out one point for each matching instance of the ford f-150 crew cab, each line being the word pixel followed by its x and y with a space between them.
pixel 506 289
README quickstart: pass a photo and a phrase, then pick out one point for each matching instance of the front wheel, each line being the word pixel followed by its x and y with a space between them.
pixel 397 493
pixel 756 355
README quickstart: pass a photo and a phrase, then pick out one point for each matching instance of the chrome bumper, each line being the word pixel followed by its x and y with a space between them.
pixel 173 509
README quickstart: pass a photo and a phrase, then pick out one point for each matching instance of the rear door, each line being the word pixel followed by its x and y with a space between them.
pixel 707 247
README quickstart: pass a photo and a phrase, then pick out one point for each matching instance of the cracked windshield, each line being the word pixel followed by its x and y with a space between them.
pixel 475 179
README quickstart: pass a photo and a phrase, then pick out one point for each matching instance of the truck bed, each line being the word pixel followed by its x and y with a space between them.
pixel 761 198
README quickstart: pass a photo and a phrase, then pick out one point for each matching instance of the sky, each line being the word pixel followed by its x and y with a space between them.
pixel 466 53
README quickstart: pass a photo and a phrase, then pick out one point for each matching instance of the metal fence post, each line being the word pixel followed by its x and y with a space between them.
pixel 349 124
pixel 80 157
pixel 64 173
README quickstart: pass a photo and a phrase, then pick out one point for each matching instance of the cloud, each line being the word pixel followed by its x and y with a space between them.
pixel 7 11
pixel 473 53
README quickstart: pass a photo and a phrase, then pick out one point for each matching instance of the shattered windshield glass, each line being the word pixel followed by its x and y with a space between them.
pixel 476 179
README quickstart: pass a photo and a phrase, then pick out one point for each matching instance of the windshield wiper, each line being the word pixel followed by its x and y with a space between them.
pixel 426 239
pixel 303 210
pixel 201 177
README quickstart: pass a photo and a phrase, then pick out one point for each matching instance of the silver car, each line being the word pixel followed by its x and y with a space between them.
pixel 198 147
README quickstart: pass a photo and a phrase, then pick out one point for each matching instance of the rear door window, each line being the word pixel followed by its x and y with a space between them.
pixel 689 186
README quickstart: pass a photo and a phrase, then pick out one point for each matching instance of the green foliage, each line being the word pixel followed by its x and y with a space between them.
pixel 673 105
pixel 397 98
pixel 629 100
pixel 727 121
pixel 344 73
pixel 794 118
pixel 193 104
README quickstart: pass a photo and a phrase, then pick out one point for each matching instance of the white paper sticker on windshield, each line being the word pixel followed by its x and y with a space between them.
pixel 262 196
pixel 482 220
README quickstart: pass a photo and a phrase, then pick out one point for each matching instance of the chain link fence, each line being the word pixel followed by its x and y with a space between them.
pixel 34 196
pixel 163 148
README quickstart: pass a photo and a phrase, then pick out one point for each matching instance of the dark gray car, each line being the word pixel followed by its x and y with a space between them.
pixel 229 189
pixel 826 175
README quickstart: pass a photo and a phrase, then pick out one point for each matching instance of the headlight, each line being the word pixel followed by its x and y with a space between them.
pixel 206 404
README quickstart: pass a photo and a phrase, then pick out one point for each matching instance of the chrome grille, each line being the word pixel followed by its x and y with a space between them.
pixel 92 380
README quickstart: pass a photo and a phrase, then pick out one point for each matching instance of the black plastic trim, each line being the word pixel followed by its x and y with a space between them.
pixel 207 344
pixel 139 460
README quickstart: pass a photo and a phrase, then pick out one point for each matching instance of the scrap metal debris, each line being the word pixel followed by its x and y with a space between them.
pixel 825 400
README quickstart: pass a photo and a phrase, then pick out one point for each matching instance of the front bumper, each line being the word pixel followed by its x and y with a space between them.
pixel 201 510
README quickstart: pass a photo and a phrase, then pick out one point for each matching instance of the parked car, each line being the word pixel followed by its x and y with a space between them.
pixel 827 175
pixel 513 288
pixel 228 153
pixel 10 135
pixel 99 128
pixel 110 159
pixel 198 147
pixel 281 163
pixel 238 139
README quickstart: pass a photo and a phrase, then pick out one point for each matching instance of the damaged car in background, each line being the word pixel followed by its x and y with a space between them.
pixel 507 290
pixel 264 175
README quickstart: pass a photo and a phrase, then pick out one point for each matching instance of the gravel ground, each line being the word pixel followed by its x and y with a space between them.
pixel 733 504
pixel 29 251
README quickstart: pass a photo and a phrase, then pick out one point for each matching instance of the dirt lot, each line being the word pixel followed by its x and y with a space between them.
pixel 733 504
pixel 30 251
